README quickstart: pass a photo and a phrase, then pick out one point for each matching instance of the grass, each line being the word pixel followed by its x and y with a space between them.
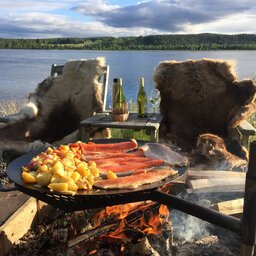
pixel 129 134
pixel 8 107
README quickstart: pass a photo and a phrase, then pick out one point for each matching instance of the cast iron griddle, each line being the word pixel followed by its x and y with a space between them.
pixel 82 199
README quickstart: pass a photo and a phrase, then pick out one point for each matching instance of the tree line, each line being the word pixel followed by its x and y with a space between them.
pixel 206 41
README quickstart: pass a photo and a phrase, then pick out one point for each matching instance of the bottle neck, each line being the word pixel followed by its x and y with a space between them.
pixel 120 98
pixel 120 82
pixel 141 82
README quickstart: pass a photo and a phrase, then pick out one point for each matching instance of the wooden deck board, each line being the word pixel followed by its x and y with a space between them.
pixel 9 203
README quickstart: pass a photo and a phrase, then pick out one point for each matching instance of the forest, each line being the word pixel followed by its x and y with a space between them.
pixel 206 41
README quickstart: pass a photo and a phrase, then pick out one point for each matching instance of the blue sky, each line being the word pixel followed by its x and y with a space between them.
pixel 90 18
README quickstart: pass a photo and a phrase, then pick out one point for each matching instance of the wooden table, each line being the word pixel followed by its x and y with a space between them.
pixel 103 120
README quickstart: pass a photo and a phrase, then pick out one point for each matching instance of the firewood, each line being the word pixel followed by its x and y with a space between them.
pixel 204 174
pixel 216 185
pixel 91 234
pixel 231 207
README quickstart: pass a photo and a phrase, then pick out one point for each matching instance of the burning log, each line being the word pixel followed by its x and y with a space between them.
pixel 118 228
pixel 119 222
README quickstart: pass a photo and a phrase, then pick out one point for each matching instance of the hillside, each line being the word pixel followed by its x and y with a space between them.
pixel 154 42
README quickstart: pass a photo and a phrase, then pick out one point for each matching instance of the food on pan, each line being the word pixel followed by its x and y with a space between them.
pixel 110 147
pixel 95 155
pixel 61 169
pixel 122 167
pixel 162 151
pixel 136 180
pixel 76 166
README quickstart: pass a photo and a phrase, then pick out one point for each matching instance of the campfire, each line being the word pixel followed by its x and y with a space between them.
pixel 129 222
pixel 141 228
pixel 124 229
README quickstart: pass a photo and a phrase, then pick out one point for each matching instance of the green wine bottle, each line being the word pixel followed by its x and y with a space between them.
pixel 142 100
pixel 120 102
pixel 114 91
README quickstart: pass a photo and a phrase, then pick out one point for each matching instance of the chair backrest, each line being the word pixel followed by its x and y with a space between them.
pixel 56 70
pixel 201 96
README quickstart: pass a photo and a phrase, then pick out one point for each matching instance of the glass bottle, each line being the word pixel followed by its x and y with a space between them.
pixel 142 100
pixel 114 91
pixel 120 102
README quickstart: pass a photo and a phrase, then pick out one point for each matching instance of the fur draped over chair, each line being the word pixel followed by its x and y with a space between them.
pixel 203 97
pixel 56 108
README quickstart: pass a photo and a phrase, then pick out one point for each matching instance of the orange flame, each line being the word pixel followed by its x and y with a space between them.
pixel 151 225
pixel 119 232
pixel 119 211
pixel 92 252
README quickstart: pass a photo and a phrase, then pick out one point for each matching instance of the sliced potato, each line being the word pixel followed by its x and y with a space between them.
pixel 44 179
pixel 75 176
pixel 83 170
pixel 111 175
pixel 95 171
pixel 72 185
pixel 28 177
pixel 59 187
pixel 61 169
pixel 92 164
pixel 90 179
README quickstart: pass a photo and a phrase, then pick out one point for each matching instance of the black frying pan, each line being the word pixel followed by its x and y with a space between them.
pixel 82 199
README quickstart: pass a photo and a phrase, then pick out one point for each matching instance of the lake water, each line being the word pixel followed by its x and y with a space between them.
pixel 22 70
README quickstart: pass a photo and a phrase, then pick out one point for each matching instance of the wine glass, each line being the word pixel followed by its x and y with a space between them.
pixel 154 100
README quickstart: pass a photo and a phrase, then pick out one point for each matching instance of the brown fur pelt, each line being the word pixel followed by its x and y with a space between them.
pixel 202 96
pixel 211 153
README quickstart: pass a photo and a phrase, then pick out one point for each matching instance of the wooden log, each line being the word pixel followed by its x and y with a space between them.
pixel 204 174
pixel 216 185
pixel 17 225
pixel 231 207
pixel 19 219
pixel 9 203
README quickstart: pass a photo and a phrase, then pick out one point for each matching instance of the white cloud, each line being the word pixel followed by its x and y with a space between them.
pixel 239 23
pixel 32 5
pixel 68 18
pixel 95 7
pixel 42 25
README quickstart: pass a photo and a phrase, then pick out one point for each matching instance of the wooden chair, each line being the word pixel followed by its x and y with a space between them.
pixel 204 96
pixel 57 70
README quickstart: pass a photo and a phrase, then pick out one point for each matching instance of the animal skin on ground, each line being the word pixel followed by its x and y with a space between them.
pixel 211 153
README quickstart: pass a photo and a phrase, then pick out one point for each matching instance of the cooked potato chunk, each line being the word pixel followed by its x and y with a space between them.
pixel 59 187
pixel 28 177
pixel 62 169
pixel 44 179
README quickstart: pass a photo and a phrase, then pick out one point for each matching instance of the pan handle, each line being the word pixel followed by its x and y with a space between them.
pixel 204 213
pixel 6 189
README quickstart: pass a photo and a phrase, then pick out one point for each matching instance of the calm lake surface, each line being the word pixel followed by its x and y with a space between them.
pixel 22 70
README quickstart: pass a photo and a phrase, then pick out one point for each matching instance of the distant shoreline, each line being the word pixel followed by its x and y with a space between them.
pixel 190 42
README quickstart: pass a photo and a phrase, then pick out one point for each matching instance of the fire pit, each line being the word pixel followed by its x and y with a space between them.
pixel 246 228
pixel 130 229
